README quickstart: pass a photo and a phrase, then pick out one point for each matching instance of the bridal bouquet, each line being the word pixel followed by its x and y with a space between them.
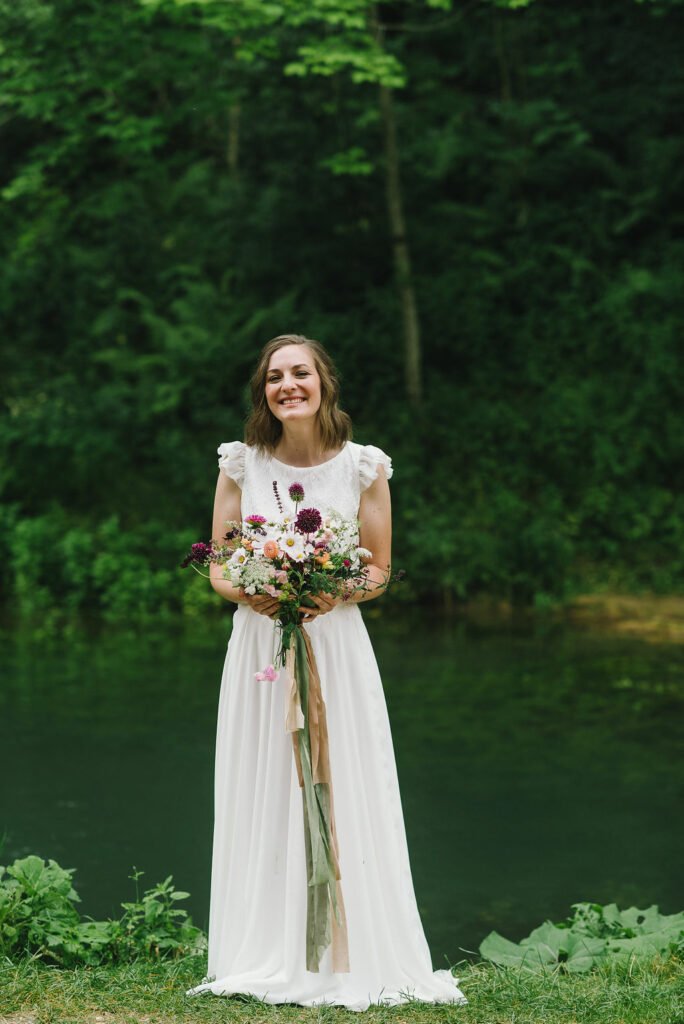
pixel 292 558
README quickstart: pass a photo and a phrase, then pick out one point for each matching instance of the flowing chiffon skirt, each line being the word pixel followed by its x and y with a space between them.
pixel 258 890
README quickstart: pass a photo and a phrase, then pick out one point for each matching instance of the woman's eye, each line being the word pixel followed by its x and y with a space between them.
pixel 299 373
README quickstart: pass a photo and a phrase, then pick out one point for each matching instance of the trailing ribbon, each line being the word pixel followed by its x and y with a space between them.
pixel 325 918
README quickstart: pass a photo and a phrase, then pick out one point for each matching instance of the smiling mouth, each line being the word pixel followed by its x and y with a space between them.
pixel 292 401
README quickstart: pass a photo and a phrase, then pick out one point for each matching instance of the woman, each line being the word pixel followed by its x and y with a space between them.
pixel 257 923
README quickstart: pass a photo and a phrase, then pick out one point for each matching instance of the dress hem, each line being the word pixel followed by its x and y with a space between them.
pixel 399 997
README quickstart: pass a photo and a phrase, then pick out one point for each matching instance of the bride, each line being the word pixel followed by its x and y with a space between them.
pixel 258 910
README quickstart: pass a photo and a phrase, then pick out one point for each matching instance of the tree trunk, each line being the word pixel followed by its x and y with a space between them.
pixel 413 378
pixel 500 46
pixel 233 149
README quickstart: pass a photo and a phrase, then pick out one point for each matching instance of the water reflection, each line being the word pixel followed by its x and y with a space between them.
pixel 536 769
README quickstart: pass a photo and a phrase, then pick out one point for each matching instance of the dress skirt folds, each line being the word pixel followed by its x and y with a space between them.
pixel 258 910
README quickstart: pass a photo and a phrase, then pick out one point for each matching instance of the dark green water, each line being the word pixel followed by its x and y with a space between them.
pixel 537 768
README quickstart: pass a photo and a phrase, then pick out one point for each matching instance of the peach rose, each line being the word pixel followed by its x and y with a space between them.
pixel 270 549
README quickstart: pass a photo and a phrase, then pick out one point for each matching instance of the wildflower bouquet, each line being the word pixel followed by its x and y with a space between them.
pixel 292 559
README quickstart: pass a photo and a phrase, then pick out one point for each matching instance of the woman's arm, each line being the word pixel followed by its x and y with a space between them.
pixel 375 533
pixel 227 509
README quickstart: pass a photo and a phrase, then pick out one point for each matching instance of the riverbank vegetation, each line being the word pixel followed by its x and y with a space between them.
pixel 602 965
pixel 179 182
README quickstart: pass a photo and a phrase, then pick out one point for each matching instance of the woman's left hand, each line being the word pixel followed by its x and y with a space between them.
pixel 324 603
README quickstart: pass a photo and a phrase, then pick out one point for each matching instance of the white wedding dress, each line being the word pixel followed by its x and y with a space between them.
pixel 257 919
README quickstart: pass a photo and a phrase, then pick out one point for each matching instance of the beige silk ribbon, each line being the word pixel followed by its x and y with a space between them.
pixel 320 770
pixel 294 716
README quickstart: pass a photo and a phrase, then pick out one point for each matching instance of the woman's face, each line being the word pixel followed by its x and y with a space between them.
pixel 293 386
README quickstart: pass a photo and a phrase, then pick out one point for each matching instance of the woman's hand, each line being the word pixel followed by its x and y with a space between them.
pixel 264 604
pixel 323 602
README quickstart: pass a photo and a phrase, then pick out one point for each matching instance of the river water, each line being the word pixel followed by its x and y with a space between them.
pixel 538 767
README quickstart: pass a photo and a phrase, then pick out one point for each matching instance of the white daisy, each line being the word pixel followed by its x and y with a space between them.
pixel 239 556
pixel 292 544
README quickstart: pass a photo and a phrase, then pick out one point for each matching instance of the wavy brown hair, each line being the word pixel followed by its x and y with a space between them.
pixel 263 430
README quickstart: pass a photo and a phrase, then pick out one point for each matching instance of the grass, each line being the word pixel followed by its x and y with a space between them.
pixel 148 992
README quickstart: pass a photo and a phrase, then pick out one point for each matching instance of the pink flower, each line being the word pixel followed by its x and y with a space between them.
pixel 280 576
pixel 271 590
pixel 269 675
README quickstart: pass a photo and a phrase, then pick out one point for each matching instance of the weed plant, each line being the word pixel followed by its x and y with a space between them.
pixel 39 919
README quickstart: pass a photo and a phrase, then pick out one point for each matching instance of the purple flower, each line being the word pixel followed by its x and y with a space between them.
pixel 308 520
pixel 277 497
pixel 200 553
pixel 296 492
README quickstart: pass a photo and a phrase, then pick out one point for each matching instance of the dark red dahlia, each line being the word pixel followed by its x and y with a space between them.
pixel 200 554
pixel 308 520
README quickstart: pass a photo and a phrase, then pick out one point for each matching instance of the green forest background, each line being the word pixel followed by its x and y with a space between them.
pixel 476 206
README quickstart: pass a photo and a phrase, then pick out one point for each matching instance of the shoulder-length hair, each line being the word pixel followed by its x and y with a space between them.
pixel 263 430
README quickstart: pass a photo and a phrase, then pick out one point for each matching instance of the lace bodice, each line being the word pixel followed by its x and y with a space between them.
pixel 335 485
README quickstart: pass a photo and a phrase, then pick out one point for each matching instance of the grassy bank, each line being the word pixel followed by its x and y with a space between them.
pixel 658 618
pixel 146 991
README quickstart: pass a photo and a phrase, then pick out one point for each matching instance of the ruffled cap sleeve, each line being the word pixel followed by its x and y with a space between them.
pixel 369 459
pixel 232 460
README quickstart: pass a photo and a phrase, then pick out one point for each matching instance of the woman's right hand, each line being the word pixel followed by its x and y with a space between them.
pixel 264 604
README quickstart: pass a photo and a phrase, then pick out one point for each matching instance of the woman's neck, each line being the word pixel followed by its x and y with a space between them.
pixel 300 445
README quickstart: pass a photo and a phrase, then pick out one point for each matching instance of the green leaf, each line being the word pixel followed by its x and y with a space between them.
pixel 583 952
pixel 548 940
pixel 507 954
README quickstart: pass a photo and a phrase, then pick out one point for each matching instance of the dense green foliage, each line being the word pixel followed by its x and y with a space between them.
pixel 38 916
pixel 182 181
pixel 586 939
